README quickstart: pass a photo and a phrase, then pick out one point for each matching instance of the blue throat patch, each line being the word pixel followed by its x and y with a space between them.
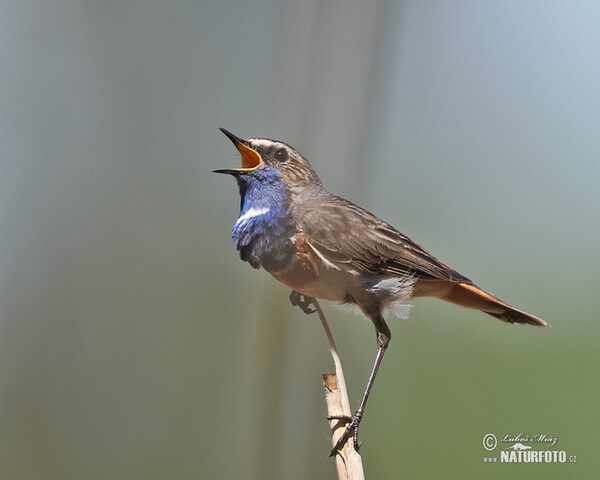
pixel 265 227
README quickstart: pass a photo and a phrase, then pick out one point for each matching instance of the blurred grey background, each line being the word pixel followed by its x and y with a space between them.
pixel 135 344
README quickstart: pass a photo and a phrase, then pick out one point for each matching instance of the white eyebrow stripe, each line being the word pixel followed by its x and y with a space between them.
pixel 253 212
pixel 263 142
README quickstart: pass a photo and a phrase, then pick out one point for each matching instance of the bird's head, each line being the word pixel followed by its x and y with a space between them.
pixel 266 159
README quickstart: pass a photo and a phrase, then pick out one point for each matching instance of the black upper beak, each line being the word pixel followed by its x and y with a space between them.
pixel 234 138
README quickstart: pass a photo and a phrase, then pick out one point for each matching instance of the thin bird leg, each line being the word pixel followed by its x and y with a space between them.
pixel 383 340
pixel 302 301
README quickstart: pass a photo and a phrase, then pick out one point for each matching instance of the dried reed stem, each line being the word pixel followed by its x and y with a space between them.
pixel 348 461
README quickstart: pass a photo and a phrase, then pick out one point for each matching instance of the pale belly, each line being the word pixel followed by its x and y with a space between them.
pixel 368 291
pixel 335 285
pixel 328 284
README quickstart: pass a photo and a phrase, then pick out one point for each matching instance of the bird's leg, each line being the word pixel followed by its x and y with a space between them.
pixel 383 340
pixel 302 301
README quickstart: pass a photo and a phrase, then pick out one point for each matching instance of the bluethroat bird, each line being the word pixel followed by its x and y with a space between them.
pixel 321 245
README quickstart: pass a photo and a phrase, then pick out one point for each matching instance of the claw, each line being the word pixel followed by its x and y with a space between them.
pixel 346 418
pixel 302 301
pixel 351 431
pixel 342 419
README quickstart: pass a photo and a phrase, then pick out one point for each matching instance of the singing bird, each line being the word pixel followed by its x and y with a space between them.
pixel 321 245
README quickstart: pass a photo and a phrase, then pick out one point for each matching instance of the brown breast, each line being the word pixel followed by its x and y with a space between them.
pixel 303 269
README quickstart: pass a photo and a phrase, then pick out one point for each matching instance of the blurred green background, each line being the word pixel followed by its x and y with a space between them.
pixel 135 344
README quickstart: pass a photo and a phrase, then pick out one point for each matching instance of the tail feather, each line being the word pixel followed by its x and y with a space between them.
pixel 471 296
pixel 512 315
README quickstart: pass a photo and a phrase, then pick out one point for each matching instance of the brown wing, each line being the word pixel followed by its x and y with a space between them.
pixel 346 233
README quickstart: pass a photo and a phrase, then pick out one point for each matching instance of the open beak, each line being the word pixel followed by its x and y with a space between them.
pixel 251 159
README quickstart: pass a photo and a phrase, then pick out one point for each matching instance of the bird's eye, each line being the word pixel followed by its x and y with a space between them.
pixel 281 155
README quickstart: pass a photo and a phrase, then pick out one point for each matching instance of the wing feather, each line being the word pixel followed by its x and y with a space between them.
pixel 345 233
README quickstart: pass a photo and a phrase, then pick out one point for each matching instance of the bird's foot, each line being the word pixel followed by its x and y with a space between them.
pixel 351 431
pixel 302 301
